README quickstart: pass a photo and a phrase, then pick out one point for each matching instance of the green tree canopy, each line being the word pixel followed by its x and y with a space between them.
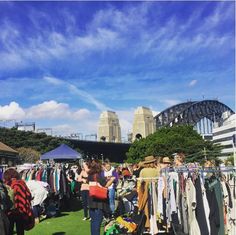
pixel 37 141
pixel 28 155
pixel 169 140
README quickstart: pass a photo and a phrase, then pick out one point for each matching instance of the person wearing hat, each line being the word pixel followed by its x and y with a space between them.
pixel 166 162
pixel 149 167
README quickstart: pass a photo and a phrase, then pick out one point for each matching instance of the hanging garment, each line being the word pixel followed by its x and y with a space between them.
pixel 143 201
pixel 225 204
pixel 214 216
pixel 205 205
pixel 219 197
pixel 171 206
pixel 153 217
pixel 161 186
pixel 230 209
pixel 183 204
pixel 191 202
pixel 58 176
pixel 200 213
pixel 44 176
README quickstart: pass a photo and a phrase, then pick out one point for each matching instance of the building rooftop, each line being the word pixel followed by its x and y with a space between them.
pixel 5 148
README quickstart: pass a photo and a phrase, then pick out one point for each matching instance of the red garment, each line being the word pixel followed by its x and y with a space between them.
pixel 39 175
pixel 125 172
pixel 22 197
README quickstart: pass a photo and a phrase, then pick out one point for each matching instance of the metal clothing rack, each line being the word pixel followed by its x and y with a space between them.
pixel 147 178
pixel 198 169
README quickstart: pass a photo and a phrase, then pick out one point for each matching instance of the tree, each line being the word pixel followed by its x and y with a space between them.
pixel 229 161
pixel 28 155
pixel 169 140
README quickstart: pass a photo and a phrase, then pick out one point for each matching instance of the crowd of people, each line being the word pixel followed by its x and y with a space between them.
pixel 20 201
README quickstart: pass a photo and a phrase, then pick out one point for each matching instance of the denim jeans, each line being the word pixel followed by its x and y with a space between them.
pixel 96 216
pixel 111 195
pixel 36 211
pixel 85 197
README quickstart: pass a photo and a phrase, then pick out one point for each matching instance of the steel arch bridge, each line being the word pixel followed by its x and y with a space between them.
pixel 191 113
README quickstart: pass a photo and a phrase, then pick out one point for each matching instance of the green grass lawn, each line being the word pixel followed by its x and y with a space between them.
pixel 68 223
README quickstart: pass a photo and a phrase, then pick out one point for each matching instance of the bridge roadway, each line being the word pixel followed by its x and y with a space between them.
pixel 116 152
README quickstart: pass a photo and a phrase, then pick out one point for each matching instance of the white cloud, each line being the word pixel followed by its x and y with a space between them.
pixel 11 111
pixel 54 110
pixel 192 83
pixel 46 110
pixel 63 129
pixel 126 120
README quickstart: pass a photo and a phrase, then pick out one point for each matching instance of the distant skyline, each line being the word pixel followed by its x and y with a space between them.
pixel 63 63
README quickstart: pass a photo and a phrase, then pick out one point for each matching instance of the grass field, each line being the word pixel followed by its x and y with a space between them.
pixel 68 223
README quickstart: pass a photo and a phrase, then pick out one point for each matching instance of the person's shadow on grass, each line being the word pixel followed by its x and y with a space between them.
pixel 59 233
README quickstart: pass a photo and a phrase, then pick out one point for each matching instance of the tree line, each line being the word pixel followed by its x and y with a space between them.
pixel 164 142
pixel 30 145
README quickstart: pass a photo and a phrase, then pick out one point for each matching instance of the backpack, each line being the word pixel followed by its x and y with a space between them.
pixel 6 197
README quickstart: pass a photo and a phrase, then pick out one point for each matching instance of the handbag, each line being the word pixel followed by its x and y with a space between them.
pixel 97 191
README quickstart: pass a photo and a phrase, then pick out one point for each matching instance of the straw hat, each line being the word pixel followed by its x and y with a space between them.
pixel 149 159
pixel 166 160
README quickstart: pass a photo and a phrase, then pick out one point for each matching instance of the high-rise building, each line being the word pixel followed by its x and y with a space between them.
pixel 143 124
pixel 223 134
pixel 109 127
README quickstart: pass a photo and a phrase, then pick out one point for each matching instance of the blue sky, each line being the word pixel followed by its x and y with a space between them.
pixel 62 63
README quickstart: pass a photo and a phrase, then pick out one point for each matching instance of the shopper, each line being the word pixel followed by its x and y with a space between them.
pixel 83 179
pixel 179 160
pixel 39 194
pixel 97 207
pixel 21 215
pixel 111 175
pixel 137 167
pixel 149 168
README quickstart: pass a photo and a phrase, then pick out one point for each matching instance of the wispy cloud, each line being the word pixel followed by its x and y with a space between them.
pixel 113 29
pixel 192 83
pixel 83 94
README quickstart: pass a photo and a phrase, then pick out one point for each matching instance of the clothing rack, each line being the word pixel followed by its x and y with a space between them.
pixel 147 178
pixel 199 169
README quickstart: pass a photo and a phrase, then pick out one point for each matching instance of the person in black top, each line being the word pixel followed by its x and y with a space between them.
pixel 136 169
pixel 97 207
